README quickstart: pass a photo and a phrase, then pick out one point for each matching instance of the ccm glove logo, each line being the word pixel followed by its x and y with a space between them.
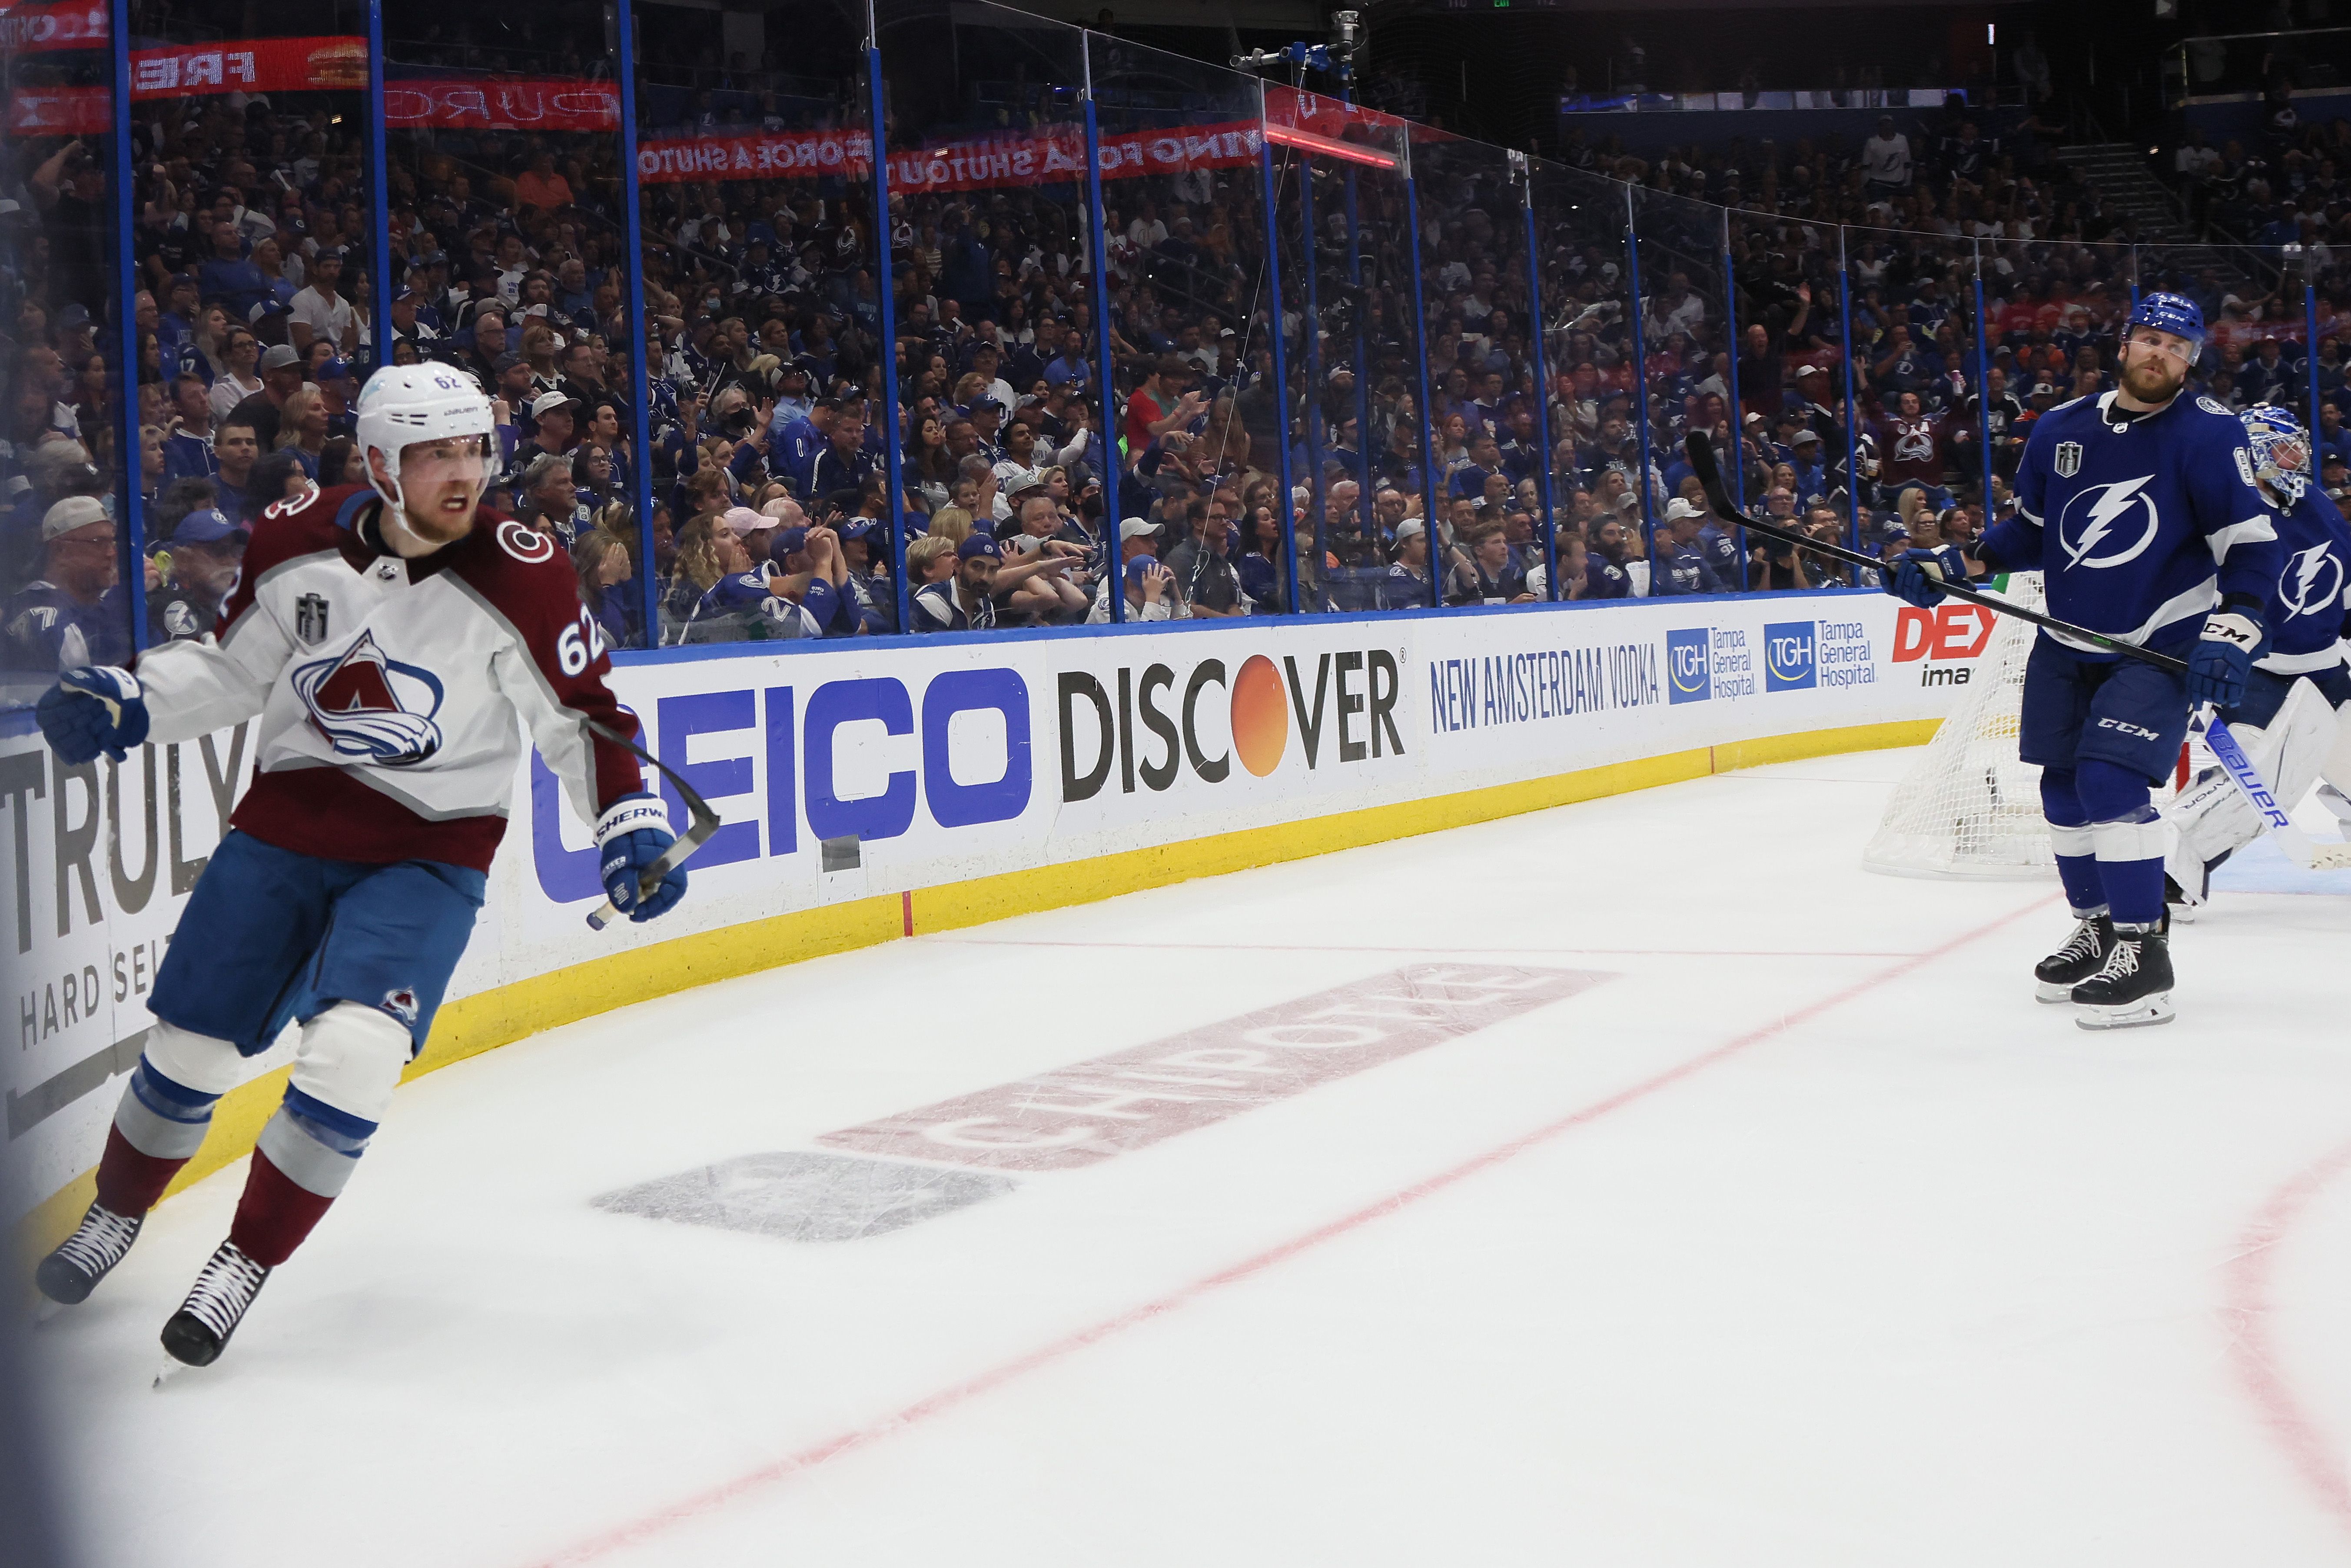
pixel 2234 630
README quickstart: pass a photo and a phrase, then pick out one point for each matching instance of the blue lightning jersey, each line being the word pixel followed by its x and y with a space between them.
pixel 2138 527
pixel 2310 604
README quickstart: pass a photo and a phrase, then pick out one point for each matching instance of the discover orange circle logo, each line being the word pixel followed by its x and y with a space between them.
pixel 1260 716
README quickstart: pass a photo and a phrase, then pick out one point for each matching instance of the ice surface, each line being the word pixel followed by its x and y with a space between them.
pixel 1807 1238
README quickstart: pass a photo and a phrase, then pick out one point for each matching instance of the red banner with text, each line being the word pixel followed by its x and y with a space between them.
pixel 1046 158
pixel 503 103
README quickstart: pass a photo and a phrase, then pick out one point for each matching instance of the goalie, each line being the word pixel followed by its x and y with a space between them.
pixel 2294 719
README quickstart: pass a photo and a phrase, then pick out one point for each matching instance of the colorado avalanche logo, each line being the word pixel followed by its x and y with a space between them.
pixel 2109 525
pixel 372 707
pixel 2312 583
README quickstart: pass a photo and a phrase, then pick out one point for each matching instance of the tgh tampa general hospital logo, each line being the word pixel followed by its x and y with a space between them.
pixel 1150 724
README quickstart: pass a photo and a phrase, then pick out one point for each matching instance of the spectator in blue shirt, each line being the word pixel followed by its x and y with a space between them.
pixel 1682 566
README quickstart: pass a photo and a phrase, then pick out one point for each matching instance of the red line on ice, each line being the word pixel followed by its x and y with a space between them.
pixel 688 1509
pixel 2252 1351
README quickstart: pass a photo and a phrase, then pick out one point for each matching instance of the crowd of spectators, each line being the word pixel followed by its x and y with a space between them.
pixel 781 505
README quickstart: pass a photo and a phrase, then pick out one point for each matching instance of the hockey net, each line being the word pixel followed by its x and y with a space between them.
pixel 1969 808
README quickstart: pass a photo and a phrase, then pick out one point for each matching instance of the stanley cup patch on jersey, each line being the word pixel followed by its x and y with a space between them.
pixel 310 618
pixel 2069 458
pixel 371 707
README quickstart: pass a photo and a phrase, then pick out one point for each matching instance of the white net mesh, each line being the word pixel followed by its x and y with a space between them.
pixel 1969 808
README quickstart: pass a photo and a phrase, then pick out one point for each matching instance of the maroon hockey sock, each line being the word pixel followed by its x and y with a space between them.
pixel 274 1215
pixel 128 1182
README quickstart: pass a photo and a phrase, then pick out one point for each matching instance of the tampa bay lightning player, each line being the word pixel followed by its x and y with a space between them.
pixel 2294 719
pixel 2139 508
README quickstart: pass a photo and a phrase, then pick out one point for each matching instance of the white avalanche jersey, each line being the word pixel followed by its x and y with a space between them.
pixel 388 690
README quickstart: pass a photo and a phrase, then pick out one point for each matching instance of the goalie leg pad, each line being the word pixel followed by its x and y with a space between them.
pixel 2335 684
pixel 2213 819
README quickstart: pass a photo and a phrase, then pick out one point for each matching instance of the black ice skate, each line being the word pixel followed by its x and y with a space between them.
pixel 199 1330
pixel 2133 988
pixel 67 1275
pixel 2084 955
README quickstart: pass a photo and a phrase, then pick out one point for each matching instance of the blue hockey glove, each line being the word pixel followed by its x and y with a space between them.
pixel 1918 579
pixel 2224 657
pixel 630 836
pixel 91 710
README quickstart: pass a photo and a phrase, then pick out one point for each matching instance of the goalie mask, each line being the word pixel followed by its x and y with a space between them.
pixel 2280 454
pixel 411 405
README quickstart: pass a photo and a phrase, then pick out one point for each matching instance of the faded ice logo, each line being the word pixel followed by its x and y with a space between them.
pixel 371 707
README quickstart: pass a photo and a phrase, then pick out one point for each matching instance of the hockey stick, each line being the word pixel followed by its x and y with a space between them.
pixel 1702 463
pixel 2299 847
pixel 681 850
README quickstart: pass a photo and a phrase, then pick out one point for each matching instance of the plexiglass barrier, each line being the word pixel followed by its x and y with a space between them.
pixel 778 308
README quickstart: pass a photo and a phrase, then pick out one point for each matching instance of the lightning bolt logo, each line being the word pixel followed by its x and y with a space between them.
pixel 2301 575
pixel 2109 504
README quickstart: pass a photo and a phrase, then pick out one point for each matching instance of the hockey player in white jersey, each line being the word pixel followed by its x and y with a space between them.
pixel 395 643
pixel 2139 508
pixel 2294 719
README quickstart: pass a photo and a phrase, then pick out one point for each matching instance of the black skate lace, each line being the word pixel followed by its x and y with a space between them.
pixel 224 1290
pixel 101 1240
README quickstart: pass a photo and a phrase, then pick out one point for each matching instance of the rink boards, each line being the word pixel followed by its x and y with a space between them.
pixel 870 790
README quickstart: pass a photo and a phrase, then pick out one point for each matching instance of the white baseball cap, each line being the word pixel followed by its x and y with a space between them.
pixel 1677 509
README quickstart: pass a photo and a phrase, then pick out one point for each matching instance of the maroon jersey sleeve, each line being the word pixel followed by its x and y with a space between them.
pixel 554 669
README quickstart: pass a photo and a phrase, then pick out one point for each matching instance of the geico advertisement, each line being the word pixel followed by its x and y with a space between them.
pixel 841 772
pixel 909 767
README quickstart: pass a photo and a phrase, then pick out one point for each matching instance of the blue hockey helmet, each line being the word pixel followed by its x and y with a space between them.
pixel 2280 454
pixel 2173 313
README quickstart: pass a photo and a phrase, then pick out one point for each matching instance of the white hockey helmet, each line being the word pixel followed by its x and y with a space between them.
pixel 406 404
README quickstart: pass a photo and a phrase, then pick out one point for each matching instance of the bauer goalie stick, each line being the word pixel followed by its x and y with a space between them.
pixel 2298 845
pixel 681 850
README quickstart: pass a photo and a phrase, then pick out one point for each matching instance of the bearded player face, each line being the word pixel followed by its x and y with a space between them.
pixel 2154 364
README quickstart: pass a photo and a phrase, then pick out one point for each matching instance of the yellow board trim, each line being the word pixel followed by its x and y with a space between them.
pixel 472 1025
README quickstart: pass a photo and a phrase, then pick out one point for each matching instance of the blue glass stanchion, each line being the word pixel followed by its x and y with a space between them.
pixel 1983 395
pixel 1366 512
pixel 1641 378
pixel 1524 170
pixel 884 288
pixel 1429 481
pixel 1287 508
pixel 641 366
pixel 379 183
pixel 130 546
pixel 2310 370
pixel 1310 416
pixel 1738 441
pixel 1852 427
pixel 1107 403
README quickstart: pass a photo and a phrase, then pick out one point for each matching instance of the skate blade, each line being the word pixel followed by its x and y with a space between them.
pixel 2043 991
pixel 2184 912
pixel 46 1309
pixel 173 1366
pixel 2138 1015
